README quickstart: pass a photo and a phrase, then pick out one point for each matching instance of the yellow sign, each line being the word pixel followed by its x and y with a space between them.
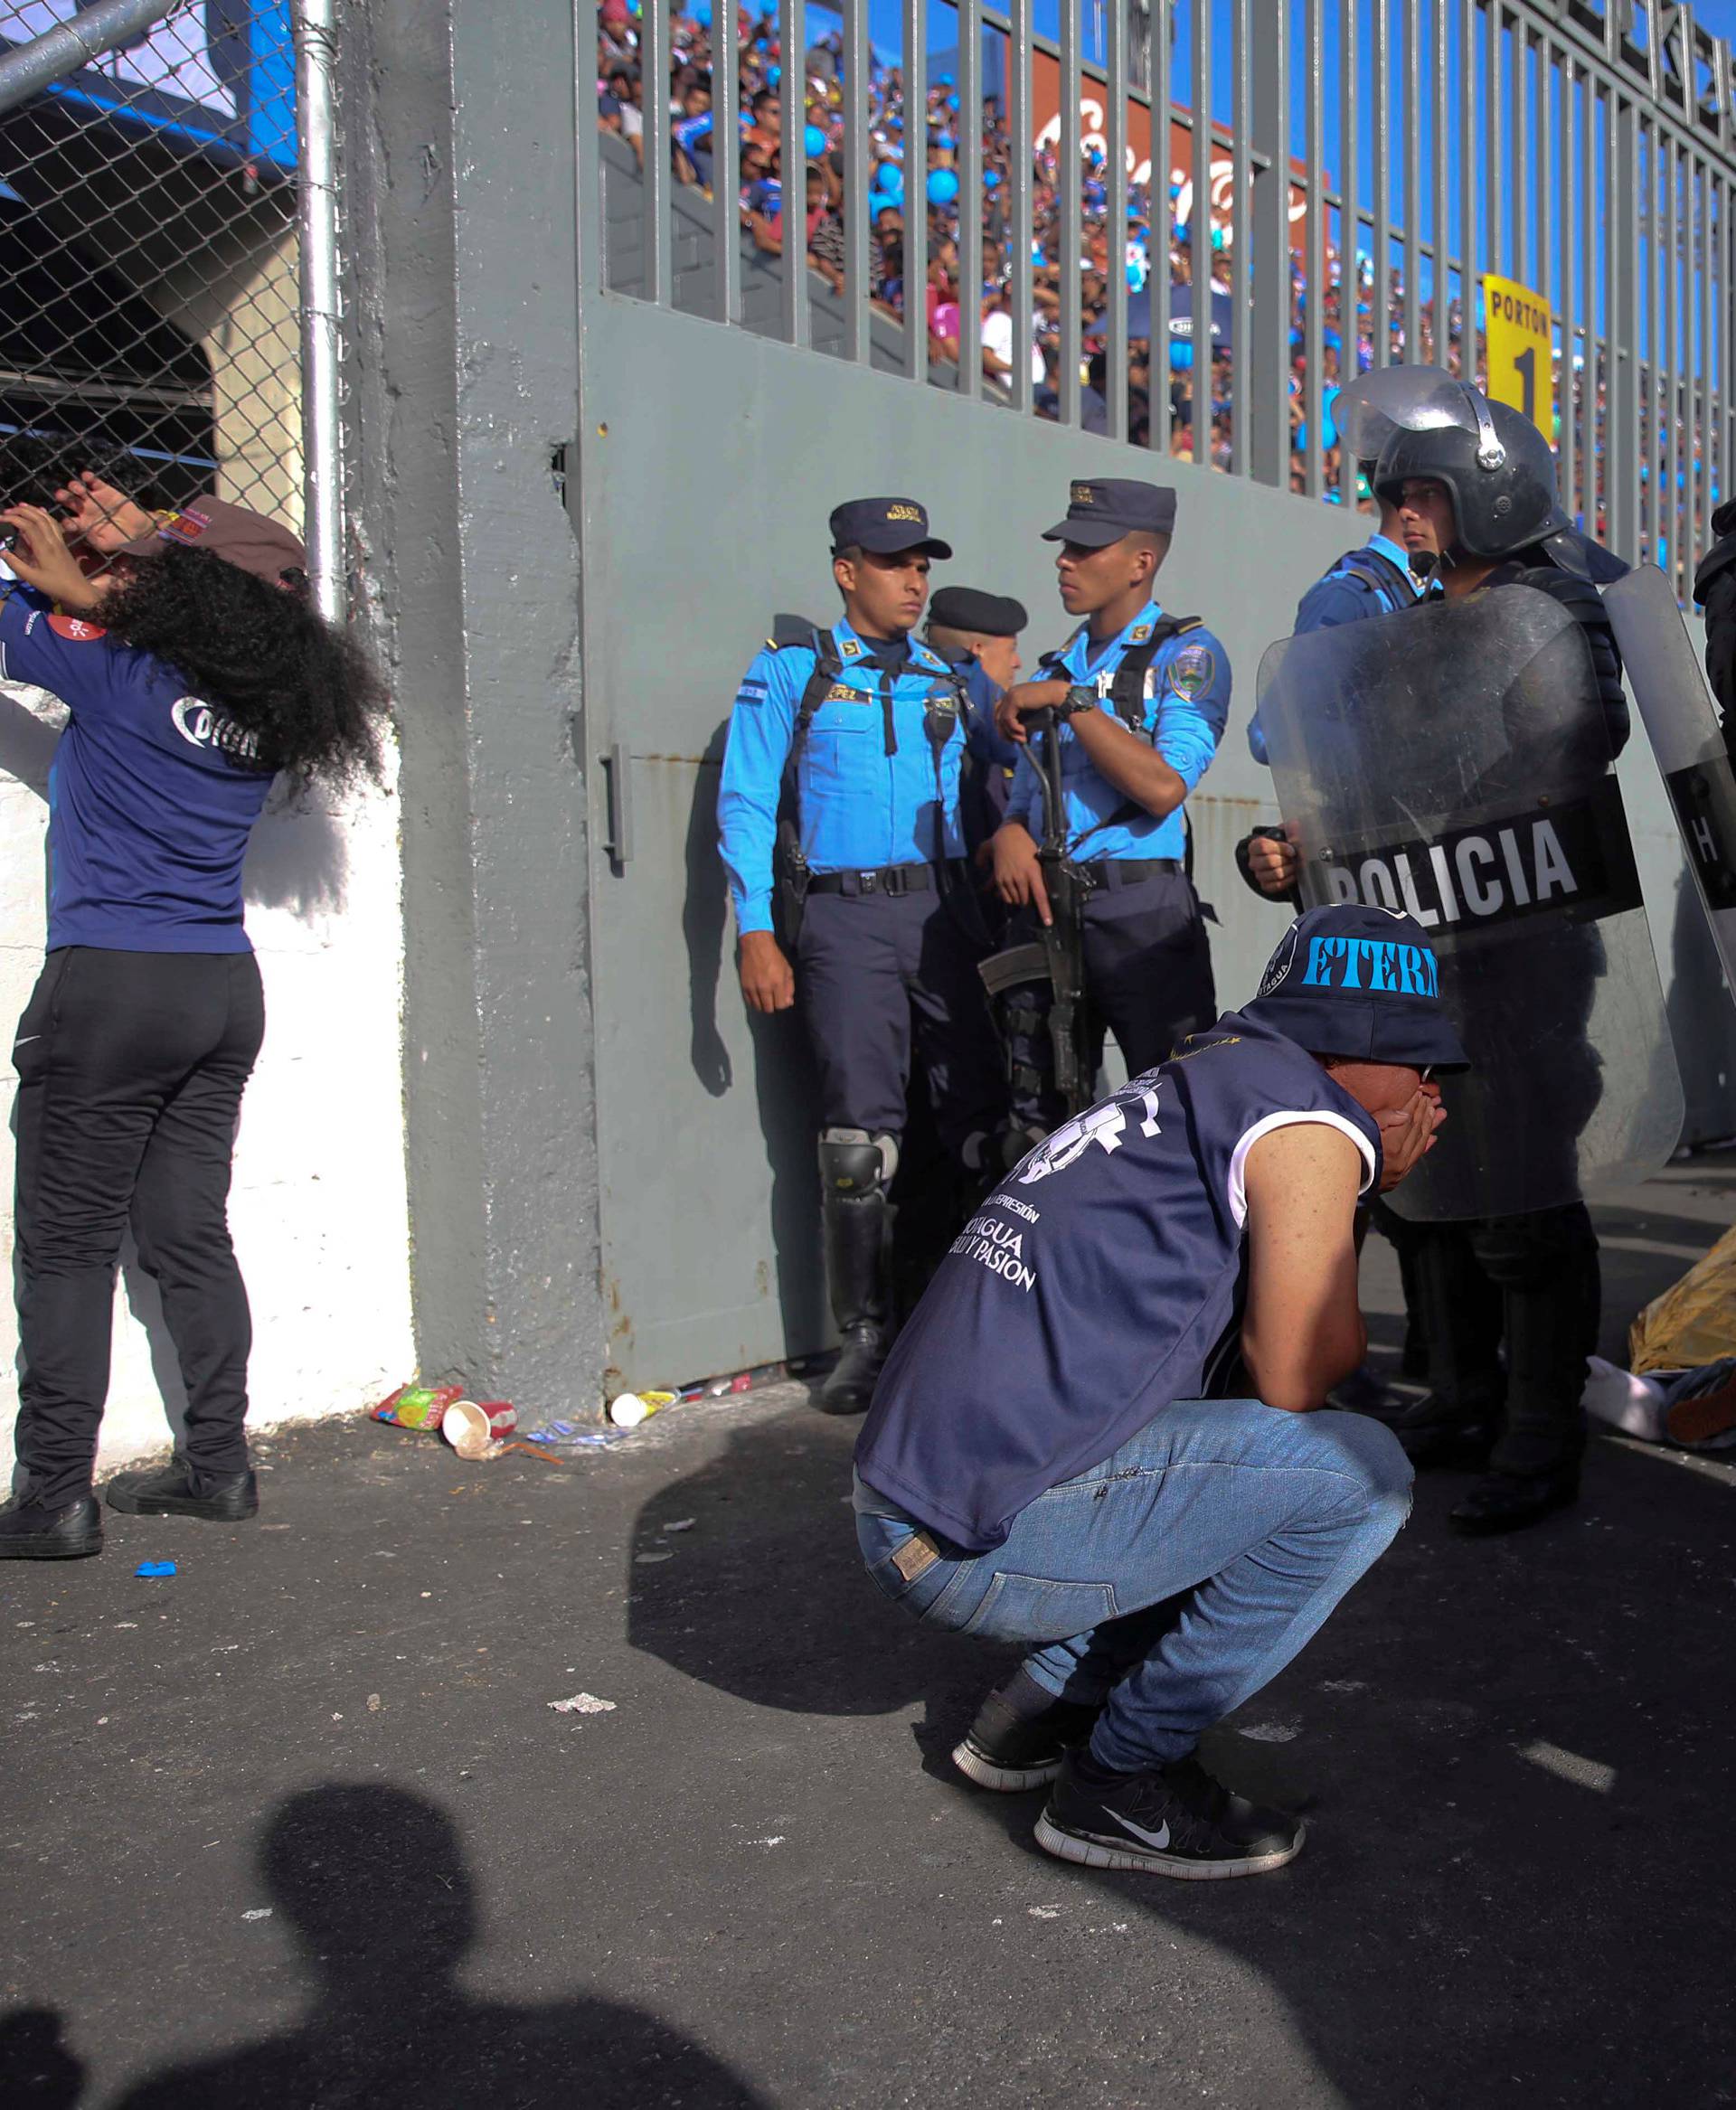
pixel 1521 350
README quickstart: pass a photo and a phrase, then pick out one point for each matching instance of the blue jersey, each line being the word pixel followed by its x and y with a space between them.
pixel 1104 1278
pixel 1374 580
pixel 872 787
pixel 152 796
pixel 1186 703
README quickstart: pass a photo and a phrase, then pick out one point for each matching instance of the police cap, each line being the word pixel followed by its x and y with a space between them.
pixel 1361 983
pixel 1100 510
pixel 978 614
pixel 884 525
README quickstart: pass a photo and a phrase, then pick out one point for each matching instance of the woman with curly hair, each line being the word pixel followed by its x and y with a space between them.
pixel 194 671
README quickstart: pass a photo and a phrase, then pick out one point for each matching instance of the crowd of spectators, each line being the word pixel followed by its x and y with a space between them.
pixel 913 247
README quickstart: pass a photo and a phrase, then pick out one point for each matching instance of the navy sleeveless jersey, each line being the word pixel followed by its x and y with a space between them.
pixel 1096 1285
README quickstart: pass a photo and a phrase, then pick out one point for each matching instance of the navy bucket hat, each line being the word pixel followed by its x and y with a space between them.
pixel 1360 982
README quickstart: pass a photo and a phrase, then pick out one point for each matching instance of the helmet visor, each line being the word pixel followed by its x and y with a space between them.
pixel 1414 398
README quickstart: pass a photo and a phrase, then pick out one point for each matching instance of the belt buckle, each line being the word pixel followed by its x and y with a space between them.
pixel 868 882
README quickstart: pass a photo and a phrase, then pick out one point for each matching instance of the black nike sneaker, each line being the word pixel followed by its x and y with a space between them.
pixel 1174 1821
pixel 1012 1752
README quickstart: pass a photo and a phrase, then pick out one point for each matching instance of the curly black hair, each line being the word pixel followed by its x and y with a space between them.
pixel 304 696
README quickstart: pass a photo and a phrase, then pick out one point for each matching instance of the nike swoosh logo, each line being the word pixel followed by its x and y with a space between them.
pixel 1158 1838
pixel 27 1040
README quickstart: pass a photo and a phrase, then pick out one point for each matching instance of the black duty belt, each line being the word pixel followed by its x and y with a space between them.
pixel 888 879
pixel 1127 871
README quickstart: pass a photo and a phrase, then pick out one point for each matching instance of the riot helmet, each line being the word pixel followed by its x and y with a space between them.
pixel 1498 470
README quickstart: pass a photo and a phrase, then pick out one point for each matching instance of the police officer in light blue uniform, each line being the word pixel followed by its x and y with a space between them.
pixel 1374 580
pixel 1141 698
pixel 841 793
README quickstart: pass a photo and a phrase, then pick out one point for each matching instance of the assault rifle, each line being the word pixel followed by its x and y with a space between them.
pixel 1058 956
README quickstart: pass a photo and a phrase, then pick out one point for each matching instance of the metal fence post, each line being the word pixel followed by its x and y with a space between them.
pixel 315 95
pixel 1265 397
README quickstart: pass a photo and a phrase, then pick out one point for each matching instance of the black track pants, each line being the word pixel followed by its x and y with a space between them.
pixel 131 1068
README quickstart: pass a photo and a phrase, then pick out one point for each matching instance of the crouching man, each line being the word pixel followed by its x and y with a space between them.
pixel 1099 1435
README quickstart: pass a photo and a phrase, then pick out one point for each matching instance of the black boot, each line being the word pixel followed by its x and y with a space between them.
pixel 180 1490
pixel 68 1531
pixel 853 1174
pixel 1508 1501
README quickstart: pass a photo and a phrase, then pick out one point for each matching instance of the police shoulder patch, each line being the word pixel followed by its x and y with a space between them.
pixel 1193 670
pixel 752 692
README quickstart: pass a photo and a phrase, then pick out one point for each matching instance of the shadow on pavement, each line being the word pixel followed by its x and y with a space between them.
pixel 1514 1754
pixel 374 1883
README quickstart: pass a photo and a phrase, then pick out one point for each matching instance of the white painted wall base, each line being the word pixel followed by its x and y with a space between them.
pixel 319 1208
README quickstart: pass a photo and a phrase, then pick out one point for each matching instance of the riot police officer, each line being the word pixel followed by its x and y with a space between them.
pixel 1141 698
pixel 1525 763
pixel 843 764
pixel 1386 576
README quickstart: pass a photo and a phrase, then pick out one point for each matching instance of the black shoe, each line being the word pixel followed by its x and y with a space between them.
pixel 31 1531
pixel 1012 1752
pixel 1433 1431
pixel 180 1490
pixel 856 1372
pixel 1175 1821
pixel 1508 1501
pixel 1365 1391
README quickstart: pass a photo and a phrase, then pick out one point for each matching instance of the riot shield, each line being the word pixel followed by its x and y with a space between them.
pixel 1664 674
pixel 1455 764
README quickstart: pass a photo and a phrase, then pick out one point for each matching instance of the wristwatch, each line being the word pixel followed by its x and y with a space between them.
pixel 1076 700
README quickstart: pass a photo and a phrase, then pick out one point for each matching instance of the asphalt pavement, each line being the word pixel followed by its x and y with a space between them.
pixel 299 1827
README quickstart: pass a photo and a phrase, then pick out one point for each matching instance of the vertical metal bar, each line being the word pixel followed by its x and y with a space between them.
pixel 1441 186
pixel 1018 130
pixel 1241 281
pixel 588 234
pixel 1200 217
pixel 1622 434
pixel 1495 245
pixel 916 189
pixel 1314 260
pixel 1410 124
pixel 1670 389
pixel 726 163
pixel 1566 205
pixel 968 82
pixel 792 43
pixel 1350 219
pixel 316 39
pixel 1519 126
pixel 659 281
pixel 1707 420
pixel 1696 268
pixel 1115 138
pixel 857 232
pixel 1162 419
pixel 1067 154
pixel 1263 390
pixel 1540 163
pixel 1381 246
pixel 1590 203
pixel 1467 199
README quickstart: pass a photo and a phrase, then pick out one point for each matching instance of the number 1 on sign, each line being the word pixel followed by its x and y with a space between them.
pixel 1525 367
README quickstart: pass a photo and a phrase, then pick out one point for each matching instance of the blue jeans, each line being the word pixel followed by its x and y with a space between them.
pixel 1178 1576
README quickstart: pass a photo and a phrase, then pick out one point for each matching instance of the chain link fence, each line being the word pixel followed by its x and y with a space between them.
pixel 150 323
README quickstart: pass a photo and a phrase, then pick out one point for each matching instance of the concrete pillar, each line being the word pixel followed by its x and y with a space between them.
pixel 458 203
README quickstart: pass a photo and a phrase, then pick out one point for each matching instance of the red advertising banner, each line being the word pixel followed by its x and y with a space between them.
pixel 1093 109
